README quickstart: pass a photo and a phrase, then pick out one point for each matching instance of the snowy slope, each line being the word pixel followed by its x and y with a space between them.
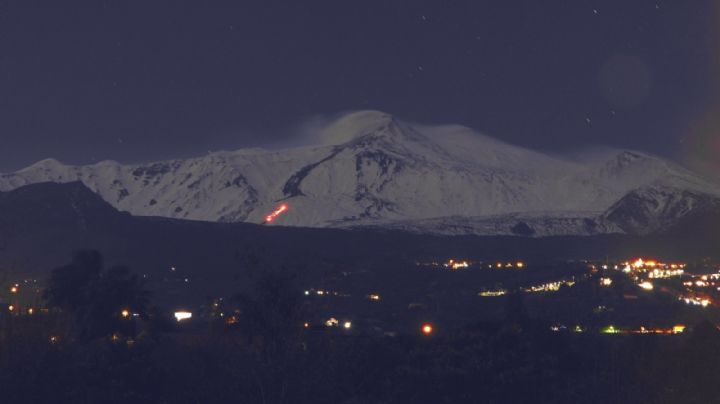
pixel 370 169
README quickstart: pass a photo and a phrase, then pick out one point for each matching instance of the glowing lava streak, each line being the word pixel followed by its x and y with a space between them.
pixel 277 212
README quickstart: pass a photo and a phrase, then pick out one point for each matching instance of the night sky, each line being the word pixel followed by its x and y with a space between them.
pixel 141 80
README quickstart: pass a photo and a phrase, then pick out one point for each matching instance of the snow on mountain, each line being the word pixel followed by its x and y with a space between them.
pixel 650 209
pixel 370 169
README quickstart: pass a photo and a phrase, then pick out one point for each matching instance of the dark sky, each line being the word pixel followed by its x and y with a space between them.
pixel 140 80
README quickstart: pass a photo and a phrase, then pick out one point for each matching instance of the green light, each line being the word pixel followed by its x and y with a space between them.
pixel 610 330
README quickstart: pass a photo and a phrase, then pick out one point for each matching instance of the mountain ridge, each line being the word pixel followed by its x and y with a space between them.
pixel 369 168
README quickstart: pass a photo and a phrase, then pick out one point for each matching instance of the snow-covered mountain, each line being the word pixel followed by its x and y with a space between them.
pixel 370 169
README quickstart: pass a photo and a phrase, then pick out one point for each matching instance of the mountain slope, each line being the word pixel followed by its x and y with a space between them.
pixel 370 169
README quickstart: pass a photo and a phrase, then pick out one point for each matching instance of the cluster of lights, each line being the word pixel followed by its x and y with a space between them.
pixel 605 282
pixel 642 271
pixel 333 322
pixel 452 264
pixel 493 293
pixel 374 297
pixel 654 269
pixel 455 264
pixel 560 327
pixel 704 281
pixel 549 287
pixel 17 310
pixel 545 287
pixel 324 292
pixel 696 301
pixel 677 329
pixel 508 265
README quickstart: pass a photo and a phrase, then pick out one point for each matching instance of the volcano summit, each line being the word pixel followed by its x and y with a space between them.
pixel 369 169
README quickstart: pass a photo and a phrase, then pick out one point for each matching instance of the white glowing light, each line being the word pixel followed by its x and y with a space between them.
pixel 646 285
pixel 182 315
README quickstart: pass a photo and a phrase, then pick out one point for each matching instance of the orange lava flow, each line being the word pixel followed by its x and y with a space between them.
pixel 277 212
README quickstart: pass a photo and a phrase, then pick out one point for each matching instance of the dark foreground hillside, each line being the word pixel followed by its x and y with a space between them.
pixel 96 337
pixel 93 332
pixel 42 224
pixel 42 361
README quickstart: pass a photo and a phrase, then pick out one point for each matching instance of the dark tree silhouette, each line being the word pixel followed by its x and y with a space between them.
pixel 101 301
pixel 270 321
pixel 71 285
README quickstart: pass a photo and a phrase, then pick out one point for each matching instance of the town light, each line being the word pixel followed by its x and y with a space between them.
pixel 125 313
pixel 14 289
pixel 610 330
pixel 182 315
pixel 347 325
pixel 646 285
pixel 427 329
